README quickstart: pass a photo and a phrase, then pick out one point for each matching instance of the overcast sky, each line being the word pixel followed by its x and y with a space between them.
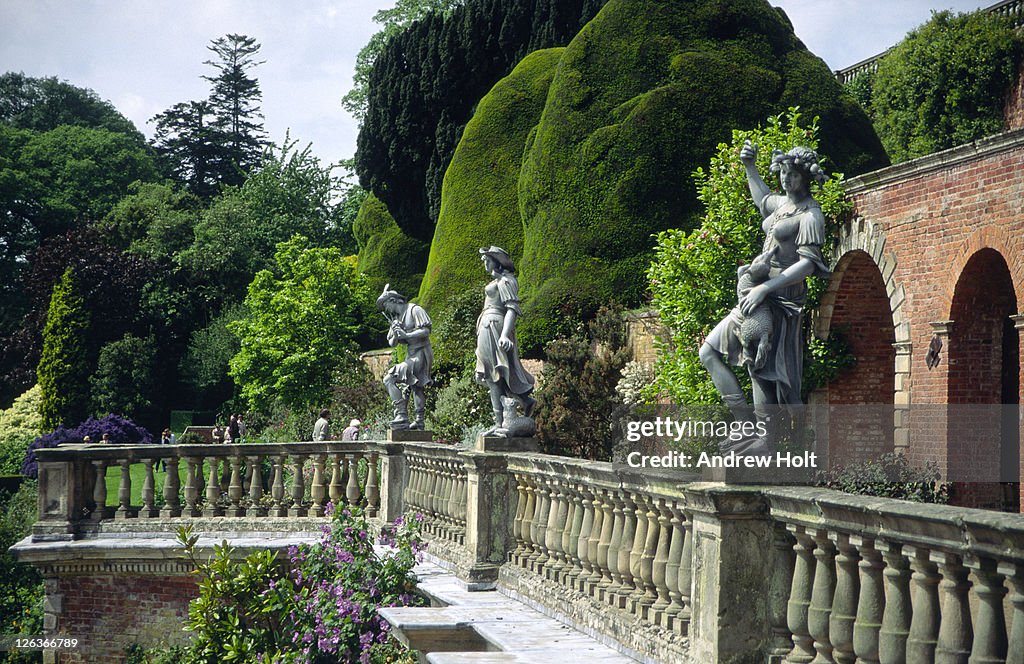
pixel 146 55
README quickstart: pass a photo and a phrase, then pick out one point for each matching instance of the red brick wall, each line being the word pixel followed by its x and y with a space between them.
pixel 110 612
pixel 862 308
pixel 935 220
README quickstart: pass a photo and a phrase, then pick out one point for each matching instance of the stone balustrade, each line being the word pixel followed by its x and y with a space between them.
pixel 278 480
pixel 663 566
pixel 875 580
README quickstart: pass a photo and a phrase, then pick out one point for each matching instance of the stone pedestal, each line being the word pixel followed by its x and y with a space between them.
pixel 502 444
pixel 410 436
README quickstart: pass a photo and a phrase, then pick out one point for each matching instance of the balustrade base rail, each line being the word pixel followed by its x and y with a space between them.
pixel 616 628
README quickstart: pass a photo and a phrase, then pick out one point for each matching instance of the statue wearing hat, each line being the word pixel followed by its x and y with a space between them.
pixel 410 325
pixel 497 353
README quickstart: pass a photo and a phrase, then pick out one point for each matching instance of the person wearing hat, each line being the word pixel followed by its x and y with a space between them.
pixel 497 356
pixel 351 432
pixel 410 325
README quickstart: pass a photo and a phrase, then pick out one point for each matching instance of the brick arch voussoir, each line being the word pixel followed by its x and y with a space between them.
pixel 861 235
pixel 1009 246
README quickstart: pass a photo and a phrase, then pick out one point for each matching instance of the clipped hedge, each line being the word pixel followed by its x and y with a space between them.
pixel 386 255
pixel 479 202
pixel 641 97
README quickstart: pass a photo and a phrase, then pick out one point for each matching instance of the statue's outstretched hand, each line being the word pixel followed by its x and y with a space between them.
pixel 752 299
pixel 748 153
pixel 505 343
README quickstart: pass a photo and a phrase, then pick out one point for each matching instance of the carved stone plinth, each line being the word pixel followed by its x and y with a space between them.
pixel 410 436
pixel 502 444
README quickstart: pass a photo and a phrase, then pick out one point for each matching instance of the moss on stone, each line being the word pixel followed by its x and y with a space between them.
pixel 641 97
pixel 479 205
pixel 386 255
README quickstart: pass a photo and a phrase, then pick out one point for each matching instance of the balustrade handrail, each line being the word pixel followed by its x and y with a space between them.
pixel 98 451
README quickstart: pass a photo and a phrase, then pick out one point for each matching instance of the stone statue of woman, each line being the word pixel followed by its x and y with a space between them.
pixel 497 356
pixel 764 332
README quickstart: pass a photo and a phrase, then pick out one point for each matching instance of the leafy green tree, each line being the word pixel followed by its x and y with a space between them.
pixel 42 104
pixel 124 380
pixel 185 141
pixel 693 275
pixel 206 362
pixel 290 193
pixel 300 331
pixel 153 220
pixel 945 84
pixel 63 368
pixel 19 425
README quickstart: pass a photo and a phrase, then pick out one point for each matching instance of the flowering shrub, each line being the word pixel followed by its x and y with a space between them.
pixel 121 430
pixel 320 607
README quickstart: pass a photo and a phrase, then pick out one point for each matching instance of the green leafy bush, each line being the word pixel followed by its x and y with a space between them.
pixel 461 405
pixel 890 476
pixel 693 276
pixel 124 381
pixel 21 586
pixel 319 606
pixel 577 404
pixel 945 84
pixel 19 426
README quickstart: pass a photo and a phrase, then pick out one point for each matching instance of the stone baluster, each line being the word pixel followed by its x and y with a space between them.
pixel 213 507
pixel 800 598
pixel 124 492
pixel 613 589
pixel 298 507
pixel 989 646
pixel 99 490
pixel 439 497
pixel 529 521
pixel 235 488
pixel 255 474
pixel 565 516
pixel 352 492
pixel 822 592
pixel 571 542
pixel 607 523
pixel 553 533
pixel 892 638
pixel 675 552
pixel 844 603
pixel 924 621
pixel 447 497
pixel 430 493
pixel 318 491
pixel 955 633
pixel 279 504
pixel 148 493
pixel 1014 574
pixel 660 568
pixel 336 490
pixel 372 486
pixel 540 554
pixel 517 522
pixel 172 484
pixel 193 470
pixel 629 520
pixel 686 575
pixel 870 601
pixel 784 560
pixel 647 560
pixel 583 543
pixel 636 554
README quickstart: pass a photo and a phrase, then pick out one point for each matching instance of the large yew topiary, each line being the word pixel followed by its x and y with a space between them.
pixel 642 97
pixel 63 371
pixel 479 204
pixel 386 254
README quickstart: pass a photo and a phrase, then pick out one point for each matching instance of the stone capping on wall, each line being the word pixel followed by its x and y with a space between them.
pixel 938 161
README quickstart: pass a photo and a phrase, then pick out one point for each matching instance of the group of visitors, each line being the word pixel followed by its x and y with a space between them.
pixel 322 428
pixel 230 434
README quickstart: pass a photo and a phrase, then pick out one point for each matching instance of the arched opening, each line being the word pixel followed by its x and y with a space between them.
pixel 983 439
pixel 861 400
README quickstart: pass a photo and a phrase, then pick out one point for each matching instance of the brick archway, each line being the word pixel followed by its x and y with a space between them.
pixel 864 300
pixel 983 439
